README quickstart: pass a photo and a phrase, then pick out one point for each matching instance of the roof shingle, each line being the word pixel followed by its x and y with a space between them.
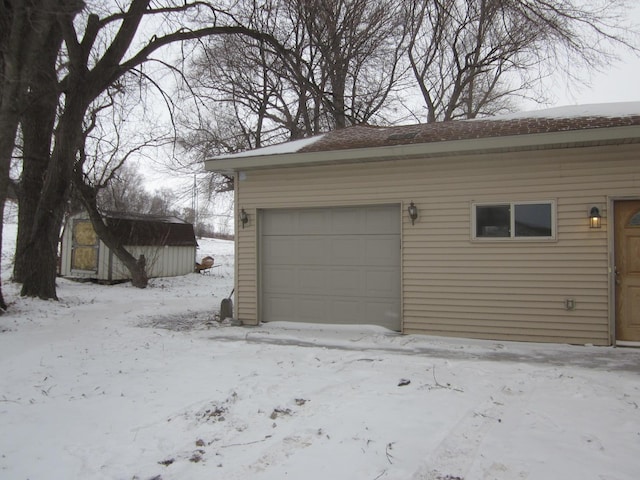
pixel 368 136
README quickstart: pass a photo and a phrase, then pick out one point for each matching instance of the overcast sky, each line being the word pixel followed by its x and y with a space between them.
pixel 619 83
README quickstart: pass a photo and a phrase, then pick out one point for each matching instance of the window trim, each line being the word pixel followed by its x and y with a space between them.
pixel 512 237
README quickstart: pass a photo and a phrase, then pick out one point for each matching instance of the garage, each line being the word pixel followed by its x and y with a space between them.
pixel 331 265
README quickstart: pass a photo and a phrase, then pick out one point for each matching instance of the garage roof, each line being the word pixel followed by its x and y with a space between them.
pixel 561 127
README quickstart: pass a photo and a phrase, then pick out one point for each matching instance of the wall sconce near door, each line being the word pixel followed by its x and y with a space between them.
pixel 413 212
pixel 244 218
pixel 595 219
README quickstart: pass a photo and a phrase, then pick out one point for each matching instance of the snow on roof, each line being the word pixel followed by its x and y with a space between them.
pixel 280 148
pixel 619 109
pixel 559 119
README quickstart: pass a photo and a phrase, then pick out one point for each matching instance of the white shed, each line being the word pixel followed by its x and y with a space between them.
pixel 168 244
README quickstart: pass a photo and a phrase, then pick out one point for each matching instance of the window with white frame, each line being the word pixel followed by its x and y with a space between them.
pixel 524 220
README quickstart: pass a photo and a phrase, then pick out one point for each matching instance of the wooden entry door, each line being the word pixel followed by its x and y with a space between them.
pixel 627 270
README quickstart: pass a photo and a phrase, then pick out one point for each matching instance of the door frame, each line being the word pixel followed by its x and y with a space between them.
pixel 611 238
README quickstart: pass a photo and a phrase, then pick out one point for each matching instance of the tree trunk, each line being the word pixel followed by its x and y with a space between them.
pixel 37 124
pixel 12 36
pixel 29 33
pixel 41 252
pixel 139 276
pixel 3 305
pixel 8 127
pixel 28 192
pixel 338 83
pixel 41 256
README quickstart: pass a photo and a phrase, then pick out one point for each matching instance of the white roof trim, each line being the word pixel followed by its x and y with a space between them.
pixel 475 145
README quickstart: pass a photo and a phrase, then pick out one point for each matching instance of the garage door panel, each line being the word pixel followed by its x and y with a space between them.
pixel 279 307
pixel 278 222
pixel 385 314
pixel 365 250
pixel 311 250
pixel 279 279
pixel 343 221
pixel 382 283
pixel 311 222
pixel 339 310
pixel 343 309
pixel 318 281
pixel 293 250
pixel 346 250
pixel 311 309
pixel 381 250
pixel 301 308
pixel 311 280
pixel 380 220
pixel 277 250
pixel 331 265
pixel 346 221
pixel 346 282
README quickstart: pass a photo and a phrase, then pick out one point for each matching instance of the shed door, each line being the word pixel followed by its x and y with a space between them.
pixel 331 265
pixel 627 266
pixel 84 253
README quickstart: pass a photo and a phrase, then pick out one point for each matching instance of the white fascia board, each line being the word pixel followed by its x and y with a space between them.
pixel 474 145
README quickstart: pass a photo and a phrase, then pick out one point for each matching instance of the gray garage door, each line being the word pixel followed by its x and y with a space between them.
pixel 331 265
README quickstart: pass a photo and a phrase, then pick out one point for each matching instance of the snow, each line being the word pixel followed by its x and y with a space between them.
pixel 114 382
pixel 614 109
pixel 278 149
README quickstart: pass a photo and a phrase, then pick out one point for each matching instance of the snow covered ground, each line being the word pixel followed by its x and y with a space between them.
pixel 113 382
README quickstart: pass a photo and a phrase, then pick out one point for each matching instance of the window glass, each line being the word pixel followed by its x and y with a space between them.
pixel 533 220
pixel 525 220
pixel 635 220
pixel 493 221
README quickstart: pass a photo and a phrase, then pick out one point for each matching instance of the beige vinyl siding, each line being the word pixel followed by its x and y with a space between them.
pixel 451 284
pixel 247 271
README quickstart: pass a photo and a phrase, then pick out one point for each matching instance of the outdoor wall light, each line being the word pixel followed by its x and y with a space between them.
pixel 244 218
pixel 595 219
pixel 413 212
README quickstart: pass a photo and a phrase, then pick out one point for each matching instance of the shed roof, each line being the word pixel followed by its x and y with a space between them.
pixel 551 128
pixel 151 230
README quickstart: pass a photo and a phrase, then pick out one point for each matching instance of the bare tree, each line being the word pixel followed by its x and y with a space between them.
pixel 124 192
pixel 28 32
pixel 474 57
pixel 99 52
pixel 37 121
pixel 115 145
pixel 359 43
pixel 340 68
pixel 105 180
